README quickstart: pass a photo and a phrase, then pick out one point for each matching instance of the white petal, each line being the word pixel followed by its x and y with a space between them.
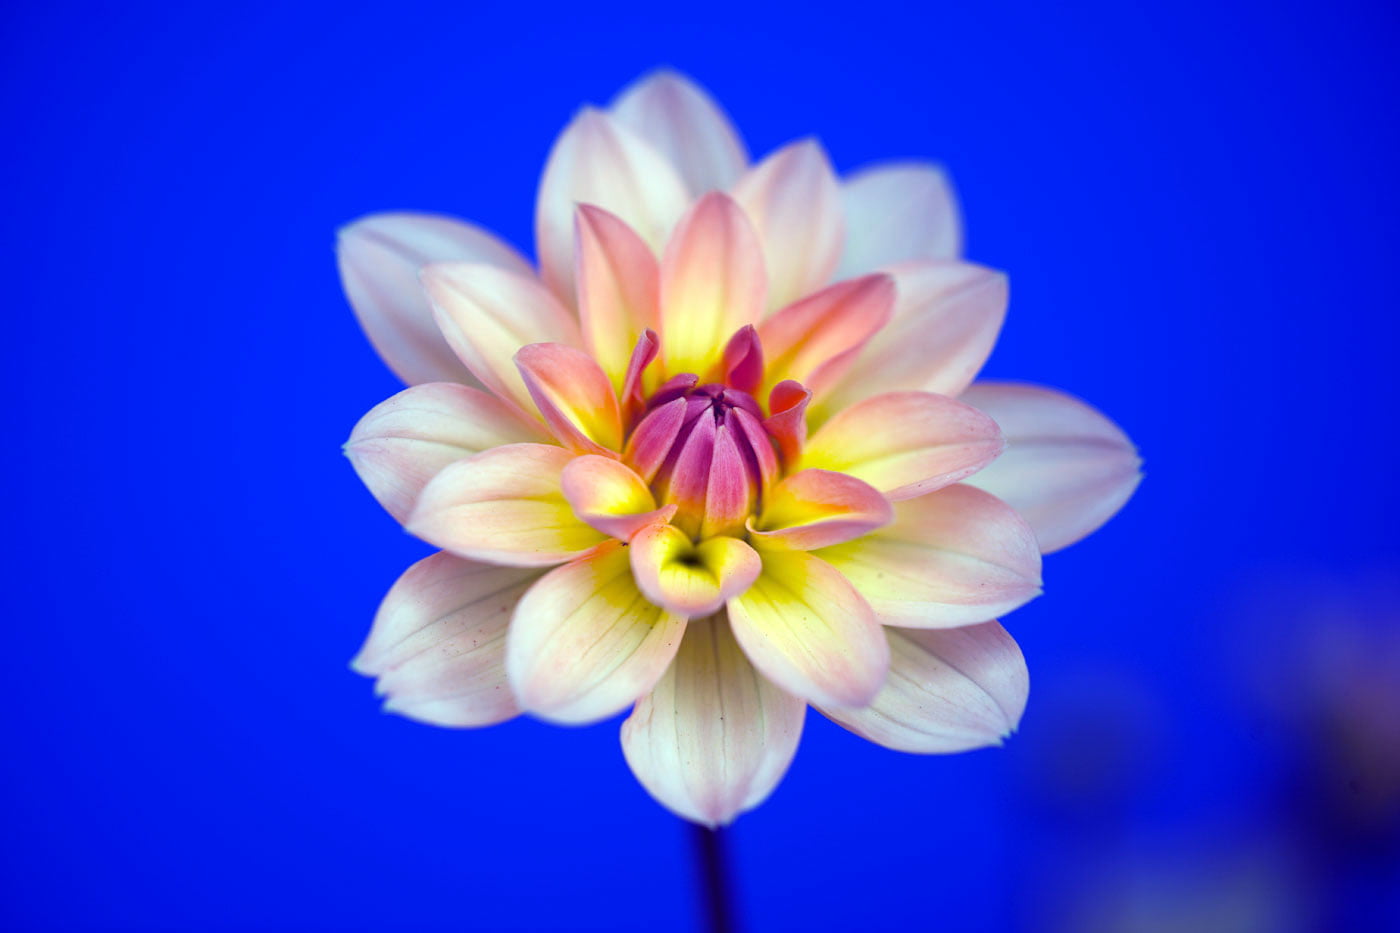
pixel 898 212
pixel 685 124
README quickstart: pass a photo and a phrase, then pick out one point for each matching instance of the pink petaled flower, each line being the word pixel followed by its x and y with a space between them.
pixel 719 458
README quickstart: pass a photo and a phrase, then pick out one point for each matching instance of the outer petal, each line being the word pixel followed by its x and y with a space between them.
pixel 905 443
pixel 617 289
pixel 406 440
pixel 486 315
pixel 953 557
pixel 817 508
pixel 712 284
pixel 1067 468
pixel 714 737
pixel 380 256
pixel 684 123
pixel 585 643
pixel 816 339
pixel 597 161
pixel 808 630
pixel 438 644
pixel 945 322
pixel 897 212
pixel 948 691
pixel 610 497
pixel 687 578
pixel 505 506
pixel 794 201
pixel 573 395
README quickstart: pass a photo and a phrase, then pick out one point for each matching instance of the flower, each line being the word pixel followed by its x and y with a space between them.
pixel 720 458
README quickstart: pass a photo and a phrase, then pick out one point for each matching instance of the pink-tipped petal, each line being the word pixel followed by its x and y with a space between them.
pixel 1067 468
pixel 953 557
pixel 787 421
pixel 379 258
pixel 438 644
pixel 712 283
pixel 487 314
pixel 742 364
pixel 794 201
pixel 808 630
pixel 573 396
pixel 598 161
pixel 617 289
pixel 685 124
pixel 651 441
pixel 691 579
pixel 898 212
pixel 505 506
pixel 714 737
pixel 584 642
pixel 633 394
pixel 729 494
pixel 950 690
pixel 945 322
pixel 404 442
pixel 610 497
pixel 818 508
pixel 815 340
pixel 905 444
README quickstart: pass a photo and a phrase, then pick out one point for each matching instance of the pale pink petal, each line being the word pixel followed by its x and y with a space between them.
pixel 584 642
pixel 817 508
pixel 486 315
pixel 794 201
pixel 684 123
pixel 438 644
pixel 405 441
pixel 905 444
pixel 573 396
pixel 898 212
pixel 687 578
pixel 1067 468
pixel 712 284
pixel 949 690
pixel 808 630
pixel 617 289
pixel 505 506
pixel 815 340
pixel 946 320
pixel 379 257
pixel 598 161
pixel 610 497
pixel 953 557
pixel 714 737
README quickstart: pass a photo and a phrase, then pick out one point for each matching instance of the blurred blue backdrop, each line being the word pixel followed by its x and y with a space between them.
pixel 1199 209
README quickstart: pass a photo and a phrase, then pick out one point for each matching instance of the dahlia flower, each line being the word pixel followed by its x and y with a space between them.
pixel 718 458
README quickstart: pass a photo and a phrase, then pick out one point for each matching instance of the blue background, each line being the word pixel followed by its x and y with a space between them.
pixel 1199 209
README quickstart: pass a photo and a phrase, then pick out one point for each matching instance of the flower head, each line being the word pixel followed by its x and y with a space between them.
pixel 719 459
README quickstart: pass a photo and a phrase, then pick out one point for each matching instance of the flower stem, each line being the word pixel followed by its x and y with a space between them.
pixel 713 874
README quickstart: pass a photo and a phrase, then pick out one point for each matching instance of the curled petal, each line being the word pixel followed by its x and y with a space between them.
pixel 379 258
pixel 742 364
pixel 950 690
pixel 617 289
pixel 714 737
pixel 794 201
pixel 684 123
pixel 573 395
pixel 438 644
pixel 905 444
pixel 817 508
pixel 712 283
pixel 898 212
pixel 691 579
pixel 1067 468
pixel 487 314
pixel 584 642
pixel 404 442
pixel 953 557
pixel 633 395
pixel 787 423
pixel 598 161
pixel 808 630
pixel 505 506
pixel 610 497
pixel 815 340
pixel 651 441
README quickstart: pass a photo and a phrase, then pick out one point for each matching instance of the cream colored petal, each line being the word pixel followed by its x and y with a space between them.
pixel 685 124
pixel 897 212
